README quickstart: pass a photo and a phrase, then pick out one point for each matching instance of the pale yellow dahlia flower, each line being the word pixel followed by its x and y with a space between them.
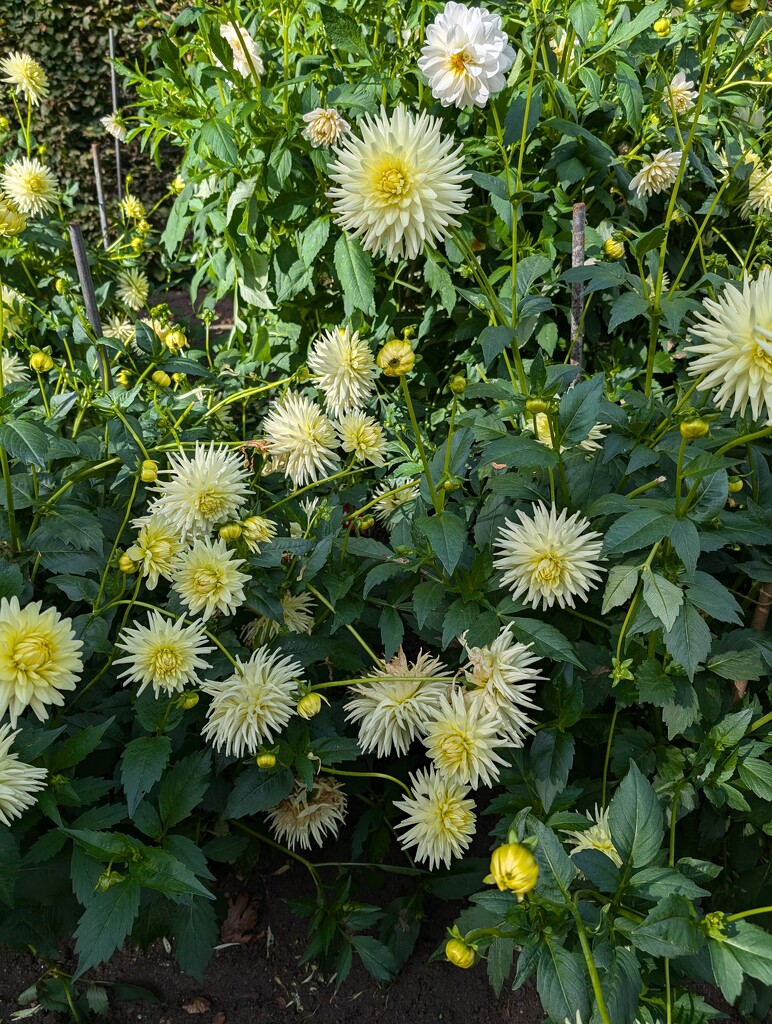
pixel 344 369
pixel 324 127
pixel 165 654
pixel 440 819
pixel 18 781
pixel 657 175
pixel 596 837
pixel 29 185
pixel 207 578
pixel 28 77
pixel 309 814
pixel 297 429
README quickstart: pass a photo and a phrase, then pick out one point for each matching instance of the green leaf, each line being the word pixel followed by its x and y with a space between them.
pixel 377 958
pixel 10 865
pixel 520 452
pixel 627 307
pixel 552 754
pixel 183 788
pixel 257 790
pixel 494 340
pixel 682 711
pixel 752 948
pixel 726 970
pixel 620 585
pixel 583 14
pixel 342 31
pixel 313 240
pixel 685 539
pixel 637 529
pixel 11 580
pixel 440 282
pixel 142 765
pixel 447 537
pixel 599 868
pixel 355 270
pixel 501 954
pixel 744 664
pixel 663 598
pixel 459 617
pixel 561 984
pixel 635 819
pixel 713 598
pixel 78 747
pixel 556 869
pixel 579 410
pixel 757 776
pixel 158 869
pixel 221 140
pixel 427 598
pixel 620 982
pixel 654 687
pixel 105 924
pixel 688 642
pixel 195 930
pixel 26 441
pixel 515 118
pixel 630 95
pixel 669 929
pixel 656 883
pixel 547 641
pixel 105 846
pixel 630 29
pixel 244 190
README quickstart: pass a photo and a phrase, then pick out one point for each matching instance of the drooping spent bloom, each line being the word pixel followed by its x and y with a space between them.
pixel 252 705
pixel 759 190
pixel 26 75
pixel 298 612
pixel 133 288
pixel 657 175
pixel 399 186
pixel 14 370
pixel 680 94
pixel 461 739
pixel 466 55
pixel 596 837
pixel 207 578
pixel 165 654
pixel 202 490
pixel 549 557
pixel 344 369
pixel 309 814
pixel 396 706
pixel 362 435
pixel 30 186
pixel 296 428
pixel 246 59
pixel 324 127
pixel 39 658
pixel 736 349
pixel 18 781
pixel 501 677
pixel 156 547
pixel 114 125
pixel 13 310
pixel 440 819
pixel 11 221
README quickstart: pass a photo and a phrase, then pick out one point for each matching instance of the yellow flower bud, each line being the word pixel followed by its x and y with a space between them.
pixel 309 705
pixel 60 285
pixel 458 383
pixel 614 249
pixel 188 700
pixel 178 184
pixel 148 472
pixel 136 244
pixel 396 358
pixel 163 380
pixel 231 531
pixel 144 227
pixel 535 406
pixel 662 27
pixel 124 378
pixel 265 760
pixel 41 362
pixel 452 483
pixel 43 150
pixel 739 6
pixel 178 378
pixel 459 953
pixel 513 867
pixel 4 124
pixel 257 530
pixel 365 523
pixel 175 340
pixel 693 428
pixel 126 564
pixel 735 485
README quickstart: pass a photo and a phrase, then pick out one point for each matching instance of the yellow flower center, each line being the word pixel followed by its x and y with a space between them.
pixel 762 357
pixel 210 503
pixel 548 569
pixel 32 653
pixel 455 748
pixel 34 183
pixel 459 61
pixel 165 661
pixel 392 182
pixel 161 550
pixel 206 581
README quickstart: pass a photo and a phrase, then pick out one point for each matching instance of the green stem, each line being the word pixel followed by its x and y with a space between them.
pixel 679 477
pixel 419 443
pixel 283 849
pixel 749 913
pixel 607 758
pixel 591 968
pixel 367 775
pixel 103 581
pixel 357 637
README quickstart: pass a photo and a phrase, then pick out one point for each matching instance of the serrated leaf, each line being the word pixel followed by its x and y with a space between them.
pixel 547 641
pixel 184 787
pixel 105 924
pixel 637 529
pixel 447 536
pixel 257 790
pixel 355 271
pixel 78 747
pixel 579 410
pixel 493 341
pixel 520 452
pixel 583 15
pixel 713 598
pixel 621 583
pixel 627 307
pixel 142 765
pixel 195 931
pixel 752 948
pixel 501 954
pixel 663 598
pixel 757 776
pixel 727 971
pixel 26 441
pixel 219 137
pixel 551 754
pixel 561 984
pixel 688 642
pixel 635 820
pixel 669 929
pixel 377 958
pixel 160 870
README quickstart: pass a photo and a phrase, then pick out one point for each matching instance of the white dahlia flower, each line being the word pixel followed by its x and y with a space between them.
pixel 501 678
pixel 18 781
pixel 362 435
pixel 344 369
pixel 26 75
pixel 658 174
pixel 297 429
pixel 596 837
pixel 680 94
pixel 30 186
pixel 324 127
pixel 164 653
pixel 14 371
pixel 461 739
pixel 246 59
pixel 133 288
pixel 440 819
pixel 207 578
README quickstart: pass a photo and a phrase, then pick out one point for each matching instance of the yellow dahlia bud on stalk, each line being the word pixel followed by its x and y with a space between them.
pixel 136 244
pixel 309 705
pixel 451 483
pixel 60 285
pixel 188 700
pixel 265 760
pixel 693 428
pixel 459 953
pixel 535 406
pixel 175 340
pixel 513 867
pixel 365 523
pixel 458 383
pixel 41 362
pixel 163 380
pixel 739 6
pixel 124 378
pixel 178 184
pixel 148 473
pixel 231 531
pixel 614 249
pixel 144 227
pixel 735 485
pixel 126 564
pixel 396 358
pixel 662 27
pixel 4 124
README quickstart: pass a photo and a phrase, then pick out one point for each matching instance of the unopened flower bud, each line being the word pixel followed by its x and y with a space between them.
pixel 396 358
pixel 108 879
pixel 693 428
pixel 163 380
pixel 458 383
pixel 178 184
pixel 41 362
pixel 459 953
pixel 60 286
pixel 4 124
pixel 231 531
pixel 148 472
pixel 265 760
pixel 126 564
pixel 365 523
pixel 309 705
pixel 662 27
pixel 614 249
pixel 739 6
pixel 513 867
pixel 535 406
pixel 124 378
pixel 735 485
pixel 175 340
pixel 452 483
pixel 188 700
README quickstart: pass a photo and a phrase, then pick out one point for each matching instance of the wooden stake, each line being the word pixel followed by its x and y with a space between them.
pixel 114 87
pixel 100 191
pixel 89 295
pixel 577 288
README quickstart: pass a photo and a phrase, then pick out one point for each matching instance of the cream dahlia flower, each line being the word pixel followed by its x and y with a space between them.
pixel 592 443
pixel 18 781
pixel 201 491
pixel 399 186
pixel 13 310
pixel 461 739
pixel 132 208
pixel 344 369
pixel 207 578
pixel 396 706
pixel 501 678
pixel 39 658
pixel 298 612
pixel 251 706
pixel 549 558
pixel 246 59
pixel 736 353
pixel 324 127
pixel 114 125
pixel 30 186
pixel 759 190
pixel 133 288
pixel 309 814
pixel 155 548
pixel 14 371
pixel 362 435
pixel 11 221
pixel 120 328
pixel 165 653
pixel 392 508
pixel 28 77
pixel 440 819
pixel 297 429
pixel 257 530
pixel 596 837
pixel 466 55
pixel 658 174
pixel 680 94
